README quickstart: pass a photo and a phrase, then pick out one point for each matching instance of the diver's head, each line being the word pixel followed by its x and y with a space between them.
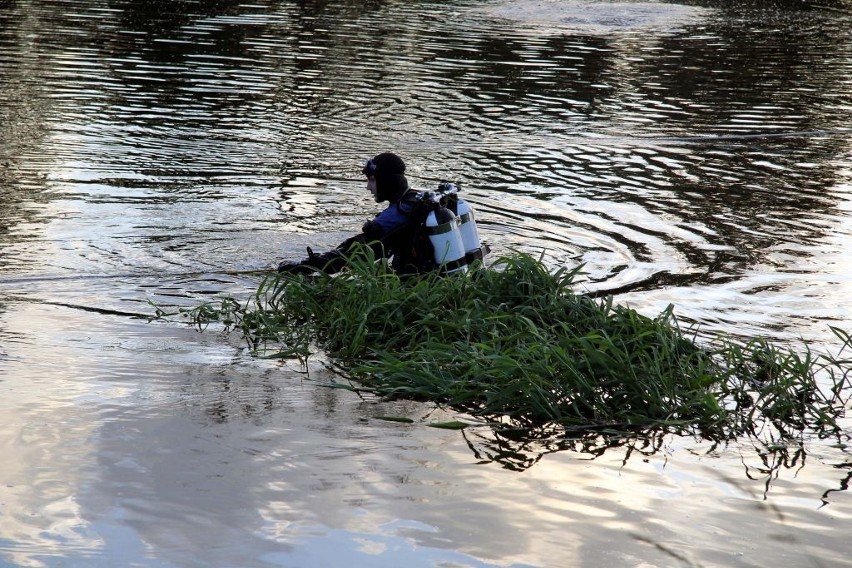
pixel 385 178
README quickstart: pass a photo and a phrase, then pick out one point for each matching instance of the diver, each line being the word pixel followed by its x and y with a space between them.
pixel 416 230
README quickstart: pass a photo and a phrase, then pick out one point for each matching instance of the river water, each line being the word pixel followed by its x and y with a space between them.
pixel 165 152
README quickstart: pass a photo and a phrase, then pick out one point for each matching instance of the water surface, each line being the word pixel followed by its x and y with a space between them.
pixel 696 154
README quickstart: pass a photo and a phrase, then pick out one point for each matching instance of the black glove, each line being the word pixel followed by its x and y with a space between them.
pixel 294 268
pixel 329 262
pixel 314 263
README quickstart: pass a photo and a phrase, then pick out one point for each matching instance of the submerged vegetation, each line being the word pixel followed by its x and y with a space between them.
pixel 515 346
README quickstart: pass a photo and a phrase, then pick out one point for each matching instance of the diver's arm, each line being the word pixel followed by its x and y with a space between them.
pixel 377 234
pixel 334 260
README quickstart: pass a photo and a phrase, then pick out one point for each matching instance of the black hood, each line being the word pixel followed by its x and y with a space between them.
pixel 388 169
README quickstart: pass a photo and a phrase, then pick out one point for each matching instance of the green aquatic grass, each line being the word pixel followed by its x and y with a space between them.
pixel 515 343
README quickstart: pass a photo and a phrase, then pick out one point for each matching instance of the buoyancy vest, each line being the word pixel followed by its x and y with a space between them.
pixel 409 245
pixel 439 232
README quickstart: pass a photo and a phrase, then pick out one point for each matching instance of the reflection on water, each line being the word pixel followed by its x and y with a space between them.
pixel 519 450
pixel 218 458
pixel 691 154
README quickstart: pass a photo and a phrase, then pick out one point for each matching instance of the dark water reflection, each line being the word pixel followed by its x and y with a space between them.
pixel 693 153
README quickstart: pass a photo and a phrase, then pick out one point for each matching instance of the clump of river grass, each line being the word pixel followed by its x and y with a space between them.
pixel 514 344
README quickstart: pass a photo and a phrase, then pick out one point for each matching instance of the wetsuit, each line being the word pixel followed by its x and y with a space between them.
pixel 394 233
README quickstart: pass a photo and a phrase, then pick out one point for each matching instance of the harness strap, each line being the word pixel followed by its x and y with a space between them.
pixel 454 265
pixel 439 229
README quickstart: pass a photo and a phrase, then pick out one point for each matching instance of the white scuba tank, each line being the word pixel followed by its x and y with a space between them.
pixel 467 227
pixel 442 227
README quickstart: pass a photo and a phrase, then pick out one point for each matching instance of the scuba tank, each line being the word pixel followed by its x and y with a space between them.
pixel 467 227
pixel 467 223
pixel 442 227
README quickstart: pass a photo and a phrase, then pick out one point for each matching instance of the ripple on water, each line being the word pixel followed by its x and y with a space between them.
pixel 604 18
